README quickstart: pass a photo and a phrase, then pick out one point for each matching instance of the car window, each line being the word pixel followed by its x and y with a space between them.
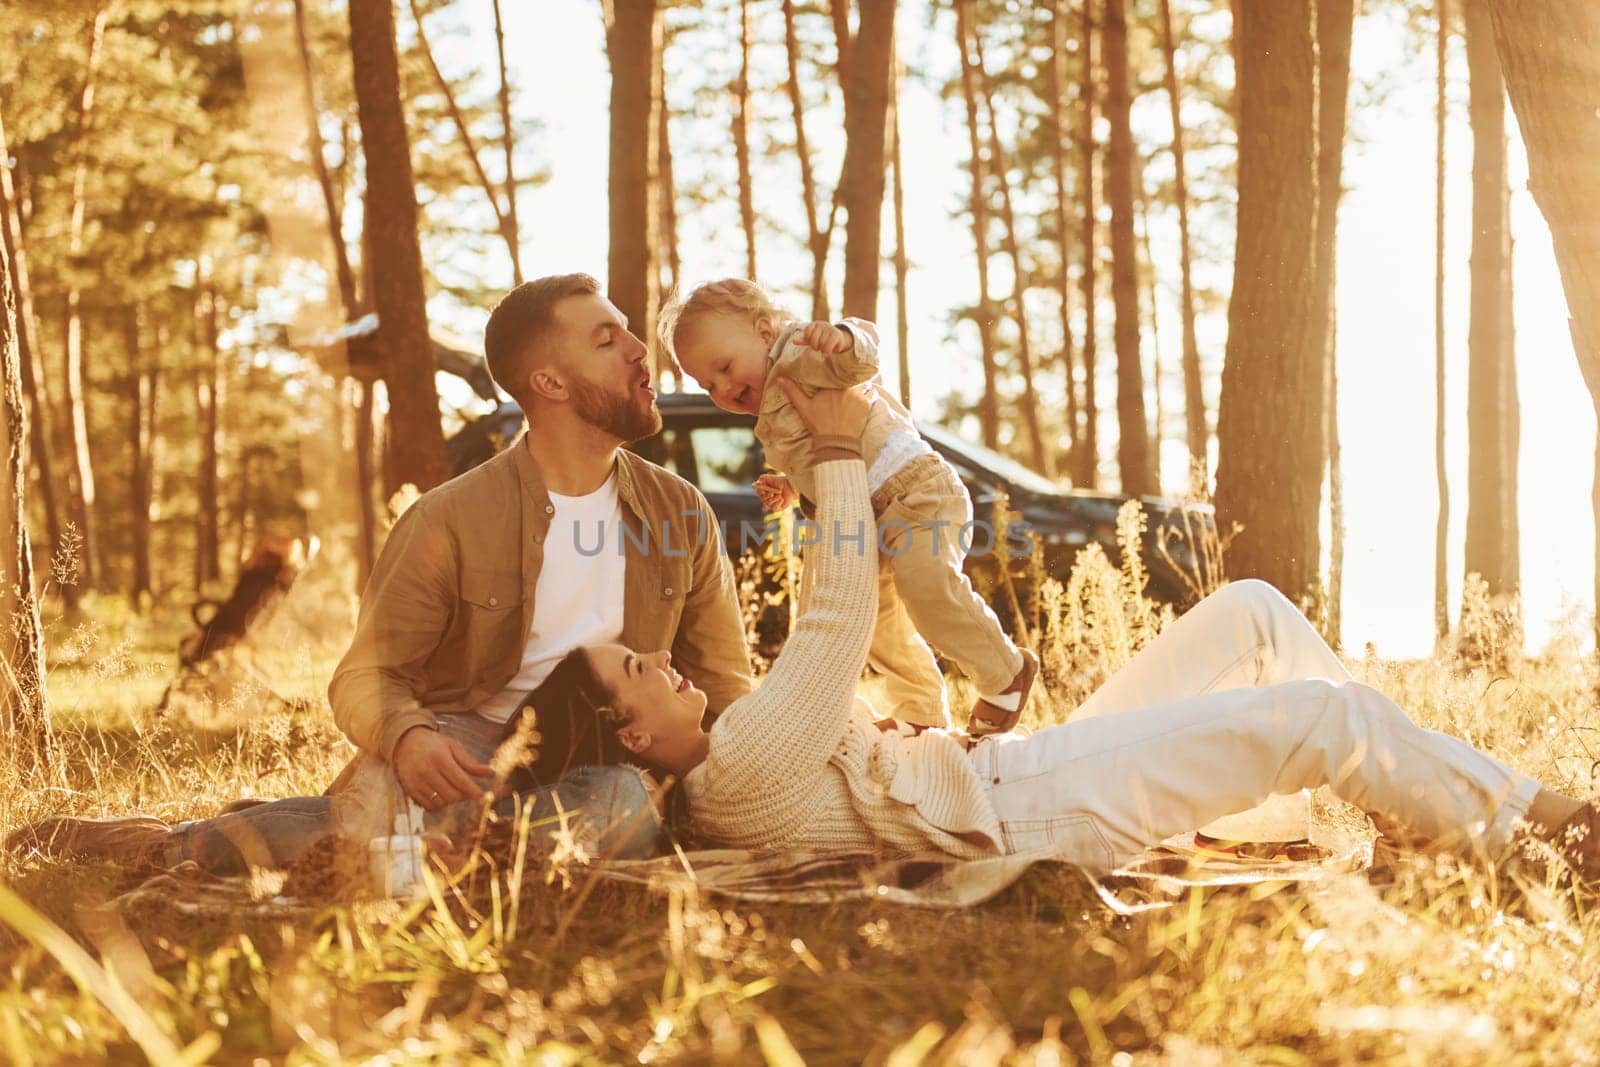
pixel 673 450
pixel 727 458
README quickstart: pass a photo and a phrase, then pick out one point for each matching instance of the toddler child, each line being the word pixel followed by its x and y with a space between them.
pixel 732 339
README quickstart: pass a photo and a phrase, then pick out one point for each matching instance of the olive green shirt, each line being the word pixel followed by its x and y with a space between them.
pixel 446 614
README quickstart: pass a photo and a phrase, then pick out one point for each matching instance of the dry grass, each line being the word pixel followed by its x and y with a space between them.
pixel 1446 965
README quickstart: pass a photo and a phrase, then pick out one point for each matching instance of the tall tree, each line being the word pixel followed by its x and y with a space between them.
pixel 416 445
pixel 504 216
pixel 1550 55
pixel 667 202
pixel 1055 126
pixel 1088 472
pixel 349 301
pixel 1491 509
pixel 144 382
pixel 511 227
pixel 35 384
pixel 817 237
pixel 22 698
pixel 208 393
pixel 1158 422
pixel 1019 272
pixel 1335 26
pixel 741 142
pixel 1196 434
pixel 988 405
pixel 866 93
pixel 1441 527
pixel 902 264
pixel 1133 429
pixel 1264 420
pixel 80 483
pixel 633 40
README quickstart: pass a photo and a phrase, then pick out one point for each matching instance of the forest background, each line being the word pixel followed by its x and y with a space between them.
pixel 229 119
pixel 1349 303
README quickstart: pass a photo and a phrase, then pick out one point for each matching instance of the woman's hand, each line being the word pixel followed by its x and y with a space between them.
pixel 832 412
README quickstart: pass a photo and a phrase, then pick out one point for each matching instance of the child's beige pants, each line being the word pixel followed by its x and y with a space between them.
pixel 923 595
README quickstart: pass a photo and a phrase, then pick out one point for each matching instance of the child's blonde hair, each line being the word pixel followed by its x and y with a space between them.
pixel 730 296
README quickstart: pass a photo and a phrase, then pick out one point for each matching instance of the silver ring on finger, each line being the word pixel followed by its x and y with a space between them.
pixel 434 796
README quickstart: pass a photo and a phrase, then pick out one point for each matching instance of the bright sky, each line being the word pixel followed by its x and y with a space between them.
pixel 1385 300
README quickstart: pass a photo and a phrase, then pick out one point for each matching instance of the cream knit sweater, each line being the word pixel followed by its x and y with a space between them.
pixel 799 764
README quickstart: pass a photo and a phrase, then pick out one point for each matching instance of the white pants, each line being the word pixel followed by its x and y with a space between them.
pixel 1237 700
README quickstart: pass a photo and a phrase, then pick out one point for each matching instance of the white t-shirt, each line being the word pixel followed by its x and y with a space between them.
pixel 578 598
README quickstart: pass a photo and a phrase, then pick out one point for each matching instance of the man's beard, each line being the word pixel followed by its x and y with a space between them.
pixel 623 417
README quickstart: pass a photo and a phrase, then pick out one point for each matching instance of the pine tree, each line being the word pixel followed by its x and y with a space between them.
pixel 1264 419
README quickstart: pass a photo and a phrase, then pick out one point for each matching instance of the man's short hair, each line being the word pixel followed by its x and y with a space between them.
pixel 521 322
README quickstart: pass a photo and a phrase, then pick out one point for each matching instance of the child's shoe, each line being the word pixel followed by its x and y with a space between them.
pixel 990 718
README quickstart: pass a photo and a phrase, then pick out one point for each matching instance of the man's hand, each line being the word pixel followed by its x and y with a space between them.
pixel 436 771
pixel 776 492
pixel 825 338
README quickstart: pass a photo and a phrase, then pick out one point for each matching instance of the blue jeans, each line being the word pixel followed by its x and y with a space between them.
pixel 611 804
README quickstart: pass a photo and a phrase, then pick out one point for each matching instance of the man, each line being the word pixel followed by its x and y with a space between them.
pixel 483 585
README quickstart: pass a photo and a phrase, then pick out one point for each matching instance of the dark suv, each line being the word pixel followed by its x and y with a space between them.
pixel 718 452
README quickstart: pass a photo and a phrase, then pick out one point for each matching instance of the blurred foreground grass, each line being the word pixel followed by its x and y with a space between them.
pixel 1443 966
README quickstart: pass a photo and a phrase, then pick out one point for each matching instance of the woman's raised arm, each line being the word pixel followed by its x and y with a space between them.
pixel 794 720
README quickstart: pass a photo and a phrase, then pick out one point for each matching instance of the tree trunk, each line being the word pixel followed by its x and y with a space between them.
pixel 839 12
pixel 35 385
pixel 1550 56
pixel 1196 434
pixel 349 301
pixel 1055 81
pixel 416 443
pixel 817 240
pixel 1335 24
pixel 139 436
pixel 1133 427
pixel 22 698
pixel 1159 422
pixel 1019 274
pixel 1333 622
pixel 1088 454
pixel 1265 419
pixel 1510 416
pixel 988 406
pixel 861 182
pixel 1489 519
pixel 81 473
pixel 510 227
pixel 902 264
pixel 633 42
pixel 668 198
pixel 741 142
pixel 333 214
pixel 208 412
pixel 1441 528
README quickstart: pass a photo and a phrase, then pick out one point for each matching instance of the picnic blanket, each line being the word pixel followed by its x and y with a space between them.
pixel 1157 878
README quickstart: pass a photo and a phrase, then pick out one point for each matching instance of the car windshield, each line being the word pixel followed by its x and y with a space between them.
pixel 991 461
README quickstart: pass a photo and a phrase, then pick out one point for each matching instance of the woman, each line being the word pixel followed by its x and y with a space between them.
pixel 1237 700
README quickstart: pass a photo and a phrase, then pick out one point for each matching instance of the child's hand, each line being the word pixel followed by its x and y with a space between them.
pixel 825 338
pixel 776 492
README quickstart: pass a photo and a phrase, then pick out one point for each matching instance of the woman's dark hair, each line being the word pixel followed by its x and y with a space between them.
pixel 578 722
